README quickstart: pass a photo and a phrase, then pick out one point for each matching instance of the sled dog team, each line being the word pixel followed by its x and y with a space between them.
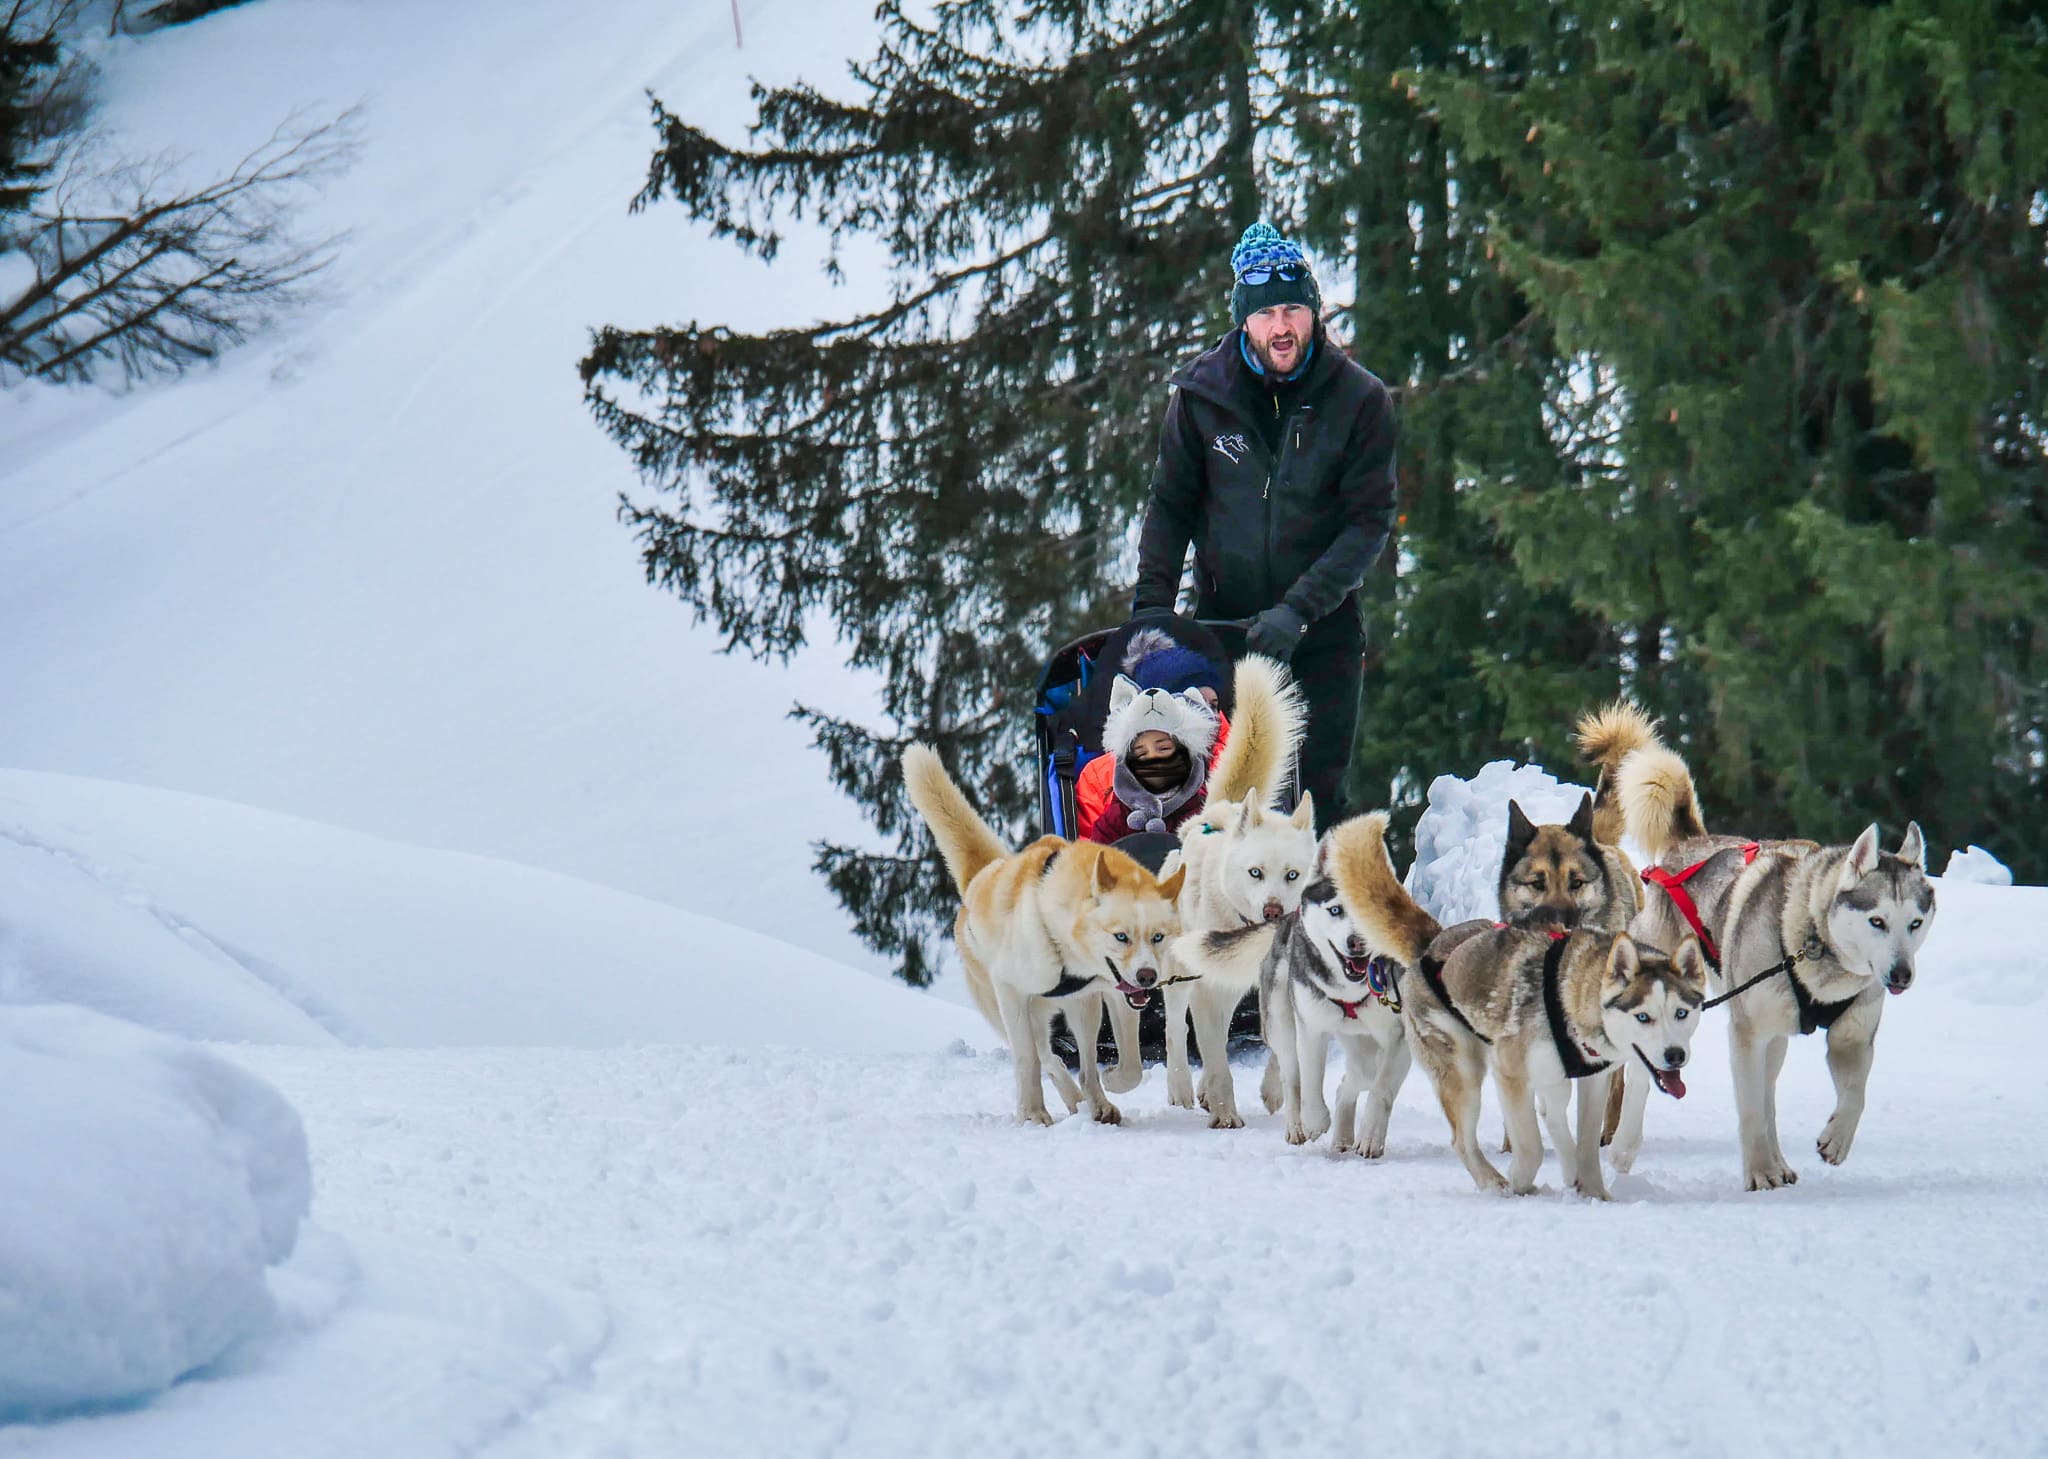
pixel 1586 991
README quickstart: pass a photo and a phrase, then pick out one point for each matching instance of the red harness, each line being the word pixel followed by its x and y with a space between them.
pixel 1674 882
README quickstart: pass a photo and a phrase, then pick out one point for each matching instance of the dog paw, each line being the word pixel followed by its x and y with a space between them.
pixel 1317 1127
pixel 1269 1088
pixel 1038 1116
pixel 1623 1157
pixel 1373 1149
pixel 1593 1190
pixel 1296 1135
pixel 1108 1114
pixel 1180 1089
pixel 1226 1120
pixel 1120 1081
pixel 1770 1177
pixel 1833 1144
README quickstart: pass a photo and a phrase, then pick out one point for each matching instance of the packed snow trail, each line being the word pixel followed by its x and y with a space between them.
pixel 811 1255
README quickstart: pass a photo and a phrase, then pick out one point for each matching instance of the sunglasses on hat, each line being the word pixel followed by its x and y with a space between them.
pixel 1259 273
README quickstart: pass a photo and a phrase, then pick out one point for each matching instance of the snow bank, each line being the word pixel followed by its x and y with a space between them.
pixel 231 923
pixel 148 1186
pixel 1975 864
pixel 1460 838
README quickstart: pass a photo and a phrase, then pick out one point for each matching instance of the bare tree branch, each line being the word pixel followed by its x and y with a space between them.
pixel 132 272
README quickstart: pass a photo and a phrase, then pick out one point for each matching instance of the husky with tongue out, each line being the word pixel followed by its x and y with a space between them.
pixel 1322 979
pixel 1542 1011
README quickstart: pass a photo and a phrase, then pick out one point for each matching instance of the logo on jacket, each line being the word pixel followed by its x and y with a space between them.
pixel 1232 448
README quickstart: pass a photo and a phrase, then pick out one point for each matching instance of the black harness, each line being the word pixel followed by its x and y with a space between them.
pixel 1814 1014
pixel 1569 1053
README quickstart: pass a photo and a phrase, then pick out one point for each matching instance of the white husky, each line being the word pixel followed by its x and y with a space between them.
pixel 1246 865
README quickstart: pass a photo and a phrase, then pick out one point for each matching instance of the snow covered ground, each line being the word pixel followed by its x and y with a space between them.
pixel 787 1253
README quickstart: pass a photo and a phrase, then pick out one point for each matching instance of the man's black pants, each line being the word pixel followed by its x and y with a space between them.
pixel 1329 666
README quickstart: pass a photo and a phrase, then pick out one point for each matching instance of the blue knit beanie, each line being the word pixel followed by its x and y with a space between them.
pixel 1176 669
pixel 1263 247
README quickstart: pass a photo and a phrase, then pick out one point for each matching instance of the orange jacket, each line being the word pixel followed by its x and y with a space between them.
pixel 1100 816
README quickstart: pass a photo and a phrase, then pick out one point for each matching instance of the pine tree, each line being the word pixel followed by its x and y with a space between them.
pixel 1795 252
pixel 1469 661
pixel 953 477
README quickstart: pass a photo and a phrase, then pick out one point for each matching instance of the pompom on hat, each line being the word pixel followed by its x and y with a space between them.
pixel 1155 659
pixel 1262 247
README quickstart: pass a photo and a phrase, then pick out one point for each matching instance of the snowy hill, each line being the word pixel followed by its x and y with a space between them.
pixel 220 922
pixel 367 571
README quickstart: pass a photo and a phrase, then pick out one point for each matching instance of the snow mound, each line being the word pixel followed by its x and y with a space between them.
pixel 66 936
pixel 224 922
pixel 149 1186
pixel 1463 831
pixel 381 1349
pixel 1975 864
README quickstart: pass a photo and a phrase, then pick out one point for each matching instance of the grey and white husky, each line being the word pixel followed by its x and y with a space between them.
pixel 1317 979
pixel 1807 937
pixel 1322 980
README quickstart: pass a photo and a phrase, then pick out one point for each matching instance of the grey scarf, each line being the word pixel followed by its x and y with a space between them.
pixel 1150 809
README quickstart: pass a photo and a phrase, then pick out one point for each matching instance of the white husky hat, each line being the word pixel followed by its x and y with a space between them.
pixel 1185 716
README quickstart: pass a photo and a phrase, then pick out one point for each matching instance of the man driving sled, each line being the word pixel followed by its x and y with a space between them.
pixel 1277 462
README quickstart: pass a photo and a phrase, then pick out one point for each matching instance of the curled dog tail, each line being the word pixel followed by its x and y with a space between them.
pixel 1393 921
pixel 1658 803
pixel 1272 715
pixel 964 838
pixel 1607 737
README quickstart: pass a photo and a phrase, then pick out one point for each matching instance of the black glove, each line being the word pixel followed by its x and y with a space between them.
pixel 1276 633
pixel 1151 615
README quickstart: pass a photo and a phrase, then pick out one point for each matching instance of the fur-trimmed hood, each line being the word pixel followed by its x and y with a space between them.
pixel 1186 717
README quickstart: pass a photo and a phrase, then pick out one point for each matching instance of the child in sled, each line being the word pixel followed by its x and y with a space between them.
pixel 1160 742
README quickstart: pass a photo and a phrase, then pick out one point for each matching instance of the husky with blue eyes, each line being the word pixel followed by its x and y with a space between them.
pixel 1544 1011
pixel 1801 938
pixel 1318 980
pixel 1323 980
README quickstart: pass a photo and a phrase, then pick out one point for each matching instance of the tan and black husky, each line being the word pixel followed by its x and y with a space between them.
pixel 1058 924
pixel 1562 876
pixel 1543 1010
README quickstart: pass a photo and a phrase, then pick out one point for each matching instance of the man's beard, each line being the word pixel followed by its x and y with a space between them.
pixel 1273 366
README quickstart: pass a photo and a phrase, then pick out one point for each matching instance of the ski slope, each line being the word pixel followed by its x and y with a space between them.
pixel 367 571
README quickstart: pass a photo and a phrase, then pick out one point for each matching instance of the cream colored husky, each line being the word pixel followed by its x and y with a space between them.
pixel 1057 925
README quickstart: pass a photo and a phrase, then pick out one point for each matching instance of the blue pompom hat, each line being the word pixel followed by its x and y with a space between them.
pixel 1262 247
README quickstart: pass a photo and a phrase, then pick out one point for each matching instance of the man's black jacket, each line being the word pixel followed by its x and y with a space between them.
pixel 1300 524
